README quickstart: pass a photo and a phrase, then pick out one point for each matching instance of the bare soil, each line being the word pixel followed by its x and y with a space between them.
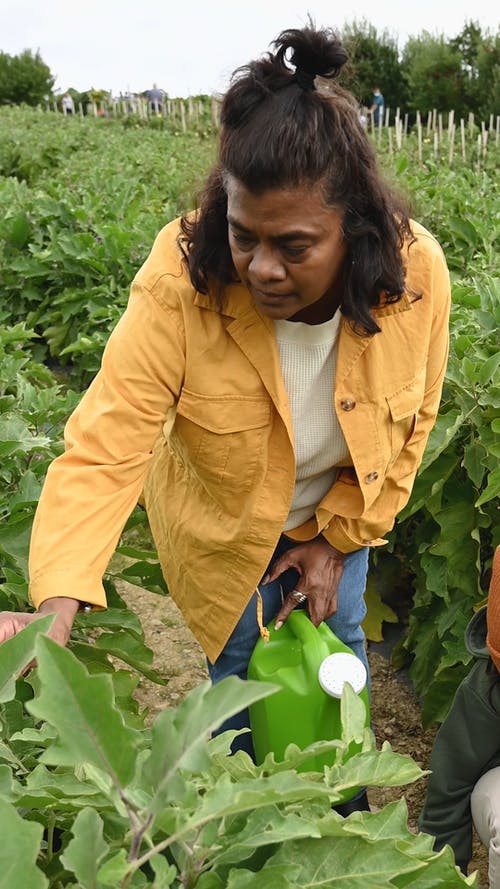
pixel 395 709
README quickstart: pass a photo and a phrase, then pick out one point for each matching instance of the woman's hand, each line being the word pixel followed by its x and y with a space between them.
pixel 320 566
pixel 12 622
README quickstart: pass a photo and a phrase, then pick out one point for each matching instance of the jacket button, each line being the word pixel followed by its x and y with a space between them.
pixel 347 404
pixel 371 477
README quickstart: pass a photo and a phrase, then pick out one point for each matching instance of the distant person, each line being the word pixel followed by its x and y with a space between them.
pixel 377 107
pixel 464 788
pixel 155 99
pixel 67 104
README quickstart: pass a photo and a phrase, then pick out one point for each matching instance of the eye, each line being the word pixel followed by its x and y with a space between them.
pixel 243 241
pixel 293 252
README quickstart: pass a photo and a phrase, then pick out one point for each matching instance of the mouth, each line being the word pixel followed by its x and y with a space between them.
pixel 264 296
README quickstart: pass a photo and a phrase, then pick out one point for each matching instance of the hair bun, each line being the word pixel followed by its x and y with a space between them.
pixel 311 51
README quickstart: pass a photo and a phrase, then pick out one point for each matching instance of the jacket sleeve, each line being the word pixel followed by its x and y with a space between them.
pixel 91 489
pixel 466 746
pixel 369 525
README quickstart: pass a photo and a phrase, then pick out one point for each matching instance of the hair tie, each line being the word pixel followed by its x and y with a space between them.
pixel 305 79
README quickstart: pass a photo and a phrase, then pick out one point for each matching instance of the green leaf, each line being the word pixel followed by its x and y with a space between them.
pixel 179 737
pixel 377 613
pixel 492 488
pixel 489 369
pixel 164 872
pixel 20 231
pixel 114 870
pixel 474 455
pixel 17 652
pixel 90 728
pixel 444 430
pixel 14 541
pixel 126 646
pixel 19 850
pixel 86 850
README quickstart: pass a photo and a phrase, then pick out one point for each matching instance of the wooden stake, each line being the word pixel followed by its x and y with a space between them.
pixel 451 139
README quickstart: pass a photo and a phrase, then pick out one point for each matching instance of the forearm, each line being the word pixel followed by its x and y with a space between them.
pixel 65 610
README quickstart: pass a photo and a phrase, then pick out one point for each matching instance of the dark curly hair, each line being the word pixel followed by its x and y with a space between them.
pixel 284 122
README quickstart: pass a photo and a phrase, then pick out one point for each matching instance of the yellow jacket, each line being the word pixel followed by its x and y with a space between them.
pixel 190 407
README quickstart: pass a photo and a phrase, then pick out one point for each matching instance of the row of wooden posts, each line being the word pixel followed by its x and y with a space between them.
pixel 184 110
pixel 441 130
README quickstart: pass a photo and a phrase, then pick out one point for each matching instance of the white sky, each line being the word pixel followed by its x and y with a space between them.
pixel 191 46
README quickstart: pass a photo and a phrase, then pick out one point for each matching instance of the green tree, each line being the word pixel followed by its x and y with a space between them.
pixel 434 74
pixel 373 61
pixel 24 78
pixel 480 54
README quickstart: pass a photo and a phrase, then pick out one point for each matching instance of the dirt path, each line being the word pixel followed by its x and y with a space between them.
pixel 395 709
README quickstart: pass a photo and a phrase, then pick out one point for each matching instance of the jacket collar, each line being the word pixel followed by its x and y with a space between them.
pixel 475 634
pixel 254 334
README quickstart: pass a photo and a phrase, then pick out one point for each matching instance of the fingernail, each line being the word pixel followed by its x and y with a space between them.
pixel 278 625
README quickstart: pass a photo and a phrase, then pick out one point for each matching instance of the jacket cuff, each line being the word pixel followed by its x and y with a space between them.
pixel 337 537
pixel 53 584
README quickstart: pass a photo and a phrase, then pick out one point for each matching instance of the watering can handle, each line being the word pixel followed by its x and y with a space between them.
pixel 313 645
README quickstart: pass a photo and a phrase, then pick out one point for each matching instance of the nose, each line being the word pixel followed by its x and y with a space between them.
pixel 266 265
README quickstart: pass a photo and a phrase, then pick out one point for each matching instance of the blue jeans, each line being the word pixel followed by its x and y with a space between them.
pixel 345 623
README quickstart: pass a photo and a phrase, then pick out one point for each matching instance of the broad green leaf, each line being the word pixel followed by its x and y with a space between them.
pixel 19 850
pixel 164 872
pixel 20 231
pixel 86 849
pixel 14 541
pixel 114 870
pixel 474 455
pixel 281 876
pixel 444 430
pixel 430 483
pixel 263 827
pixel 492 488
pixel 377 613
pixel 230 798
pixel 179 738
pixel 355 862
pixel 17 652
pixel 489 369
pixel 377 768
pixel 90 728
pixel 130 649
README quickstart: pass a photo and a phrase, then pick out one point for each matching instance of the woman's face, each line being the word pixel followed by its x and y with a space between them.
pixel 288 249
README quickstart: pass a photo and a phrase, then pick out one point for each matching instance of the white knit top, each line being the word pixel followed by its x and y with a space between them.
pixel 308 356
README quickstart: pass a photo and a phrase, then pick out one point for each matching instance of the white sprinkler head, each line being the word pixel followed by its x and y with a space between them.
pixel 336 669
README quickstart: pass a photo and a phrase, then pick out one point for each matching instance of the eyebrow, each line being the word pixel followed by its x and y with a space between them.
pixel 289 236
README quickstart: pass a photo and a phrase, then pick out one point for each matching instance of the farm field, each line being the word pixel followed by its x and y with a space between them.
pixel 81 201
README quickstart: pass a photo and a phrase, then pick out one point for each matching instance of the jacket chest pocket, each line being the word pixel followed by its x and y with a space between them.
pixel 221 439
pixel 403 409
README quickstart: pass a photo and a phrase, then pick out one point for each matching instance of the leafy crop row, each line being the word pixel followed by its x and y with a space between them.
pixel 89 797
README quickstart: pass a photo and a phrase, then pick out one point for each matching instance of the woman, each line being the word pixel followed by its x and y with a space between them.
pixel 271 385
pixel 464 787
